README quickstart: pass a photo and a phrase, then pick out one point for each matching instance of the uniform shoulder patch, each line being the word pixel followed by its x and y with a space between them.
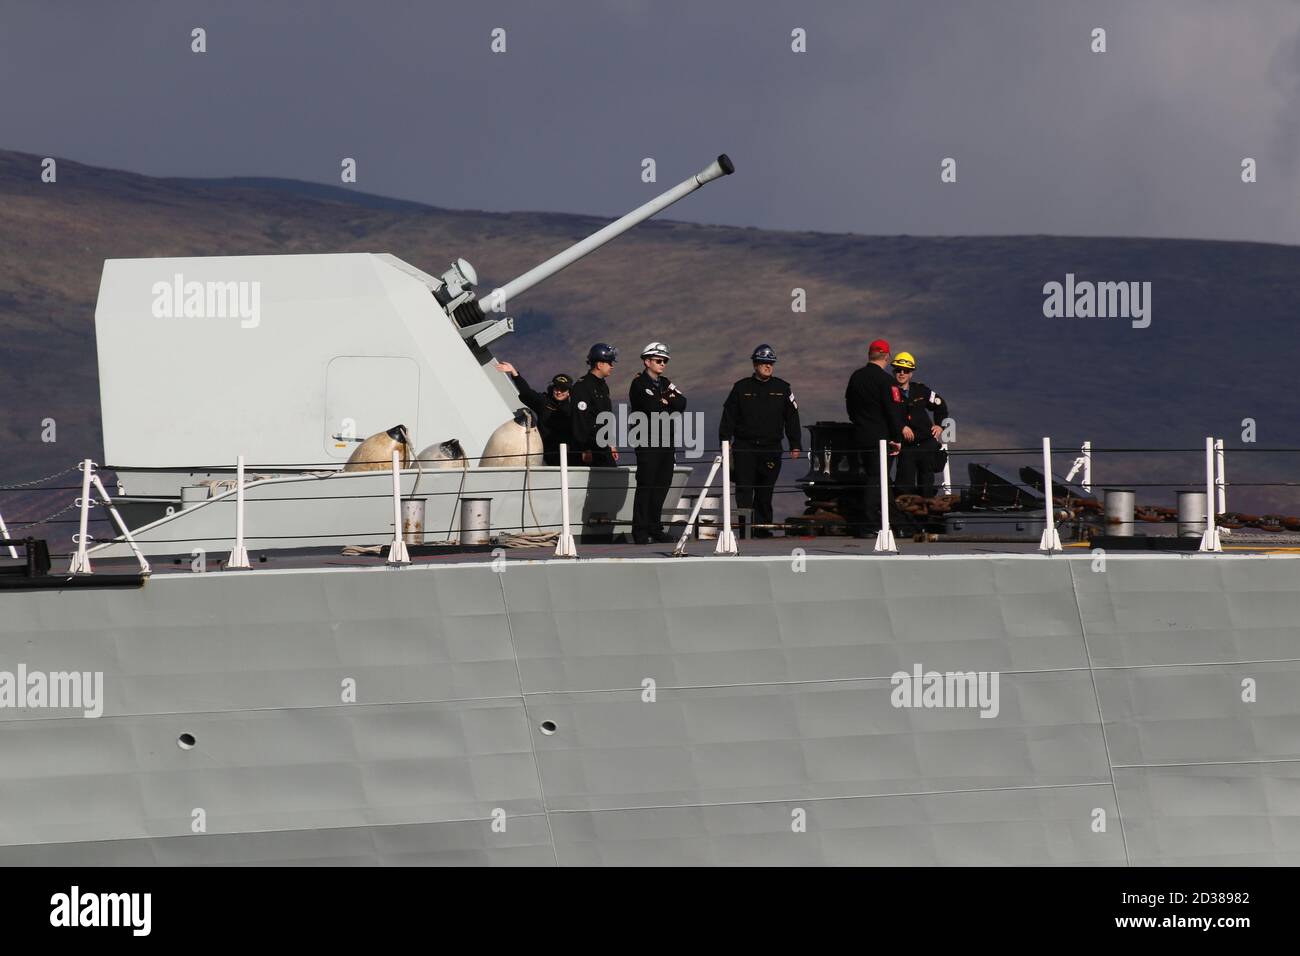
pixel 792 401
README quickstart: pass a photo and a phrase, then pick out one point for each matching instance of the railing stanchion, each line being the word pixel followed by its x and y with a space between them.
pixel 4 533
pixel 566 547
pixel 81 560
pixel 1051 539
pixel 726 536
pixel 1210 539
pixel 680 550
pixel 1220 479
pixel 397 553
pixel 239 554
pixel 885 536
pixel 121 525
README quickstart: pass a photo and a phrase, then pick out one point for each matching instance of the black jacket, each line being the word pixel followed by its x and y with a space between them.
pixel 588 398
pixel 919 403
pixel 758 412
pixel 554 419
pixel 648 395
pixel 875 406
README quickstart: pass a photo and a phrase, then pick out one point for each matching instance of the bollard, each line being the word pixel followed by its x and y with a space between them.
pixel 475 520
pixel 1191 513
pixel 1121 503
pixel 413 520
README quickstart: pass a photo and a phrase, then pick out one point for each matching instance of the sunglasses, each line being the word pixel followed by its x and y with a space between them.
pixel 659 361
pixel 900 370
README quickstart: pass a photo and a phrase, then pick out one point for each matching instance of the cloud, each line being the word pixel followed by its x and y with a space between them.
pixel 1145 139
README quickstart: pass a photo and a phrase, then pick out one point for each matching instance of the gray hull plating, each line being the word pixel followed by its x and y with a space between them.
pixel 1122 735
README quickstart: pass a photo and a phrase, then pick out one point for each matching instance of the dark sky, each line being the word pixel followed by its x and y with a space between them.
pixel 1143 140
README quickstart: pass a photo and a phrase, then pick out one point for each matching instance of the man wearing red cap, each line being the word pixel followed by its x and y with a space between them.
pixel 875 406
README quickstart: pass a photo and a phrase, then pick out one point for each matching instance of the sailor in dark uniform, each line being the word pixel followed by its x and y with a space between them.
pixel 875 406
pixel 589 398
pixel 921 457
pixel 553 411
pixel 656 397
pixel 759 410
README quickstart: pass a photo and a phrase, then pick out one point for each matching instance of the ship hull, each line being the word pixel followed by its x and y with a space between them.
pixel 704 711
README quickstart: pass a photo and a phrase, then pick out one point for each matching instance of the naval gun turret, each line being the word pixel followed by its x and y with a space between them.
pixel 330 349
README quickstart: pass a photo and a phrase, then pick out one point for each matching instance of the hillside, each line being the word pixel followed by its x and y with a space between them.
pixel 1221 346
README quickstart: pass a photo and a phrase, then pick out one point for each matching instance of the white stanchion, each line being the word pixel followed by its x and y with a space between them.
pixel 1220 478
pixel 4 533
pixel 885 536
pixel 239 554
pixel 397 553
pixel 1210 539
pixel 1051 539
pixel 121 525
pixel 680 550
pixel 566 547
pixel 81 560
pixel 947 472
pixel 726 536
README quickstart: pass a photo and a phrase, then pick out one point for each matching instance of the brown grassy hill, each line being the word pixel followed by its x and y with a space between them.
pixel 1221 347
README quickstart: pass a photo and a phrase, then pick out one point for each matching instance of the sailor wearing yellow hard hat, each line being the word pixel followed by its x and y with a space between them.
pixel 921 457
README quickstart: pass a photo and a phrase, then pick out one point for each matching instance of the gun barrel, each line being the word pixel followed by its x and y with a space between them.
pixel 498 299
